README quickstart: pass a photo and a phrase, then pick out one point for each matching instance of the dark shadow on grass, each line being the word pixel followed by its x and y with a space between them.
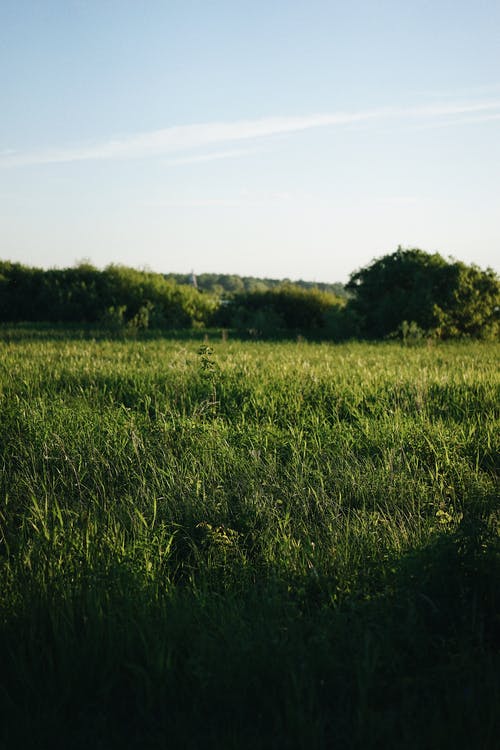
pixel 264 661
pixel 19 332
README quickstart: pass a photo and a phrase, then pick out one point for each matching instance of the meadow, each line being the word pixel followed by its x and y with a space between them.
pixel 230 544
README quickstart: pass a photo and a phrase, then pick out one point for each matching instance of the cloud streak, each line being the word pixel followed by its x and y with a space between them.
pixel 180 138
pixel 213 156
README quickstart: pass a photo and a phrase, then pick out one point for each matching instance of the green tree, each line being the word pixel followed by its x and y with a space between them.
pixel 286 309
pixel 475 304
pixel 444 298
pixel 84 294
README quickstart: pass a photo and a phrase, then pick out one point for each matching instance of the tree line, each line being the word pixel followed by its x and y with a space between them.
pixel 224 284
pixel 409 294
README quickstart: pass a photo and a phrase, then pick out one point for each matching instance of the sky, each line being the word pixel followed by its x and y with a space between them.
pixel 272 138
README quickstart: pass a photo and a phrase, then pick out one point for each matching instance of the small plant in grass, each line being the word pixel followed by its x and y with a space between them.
pixel 209 371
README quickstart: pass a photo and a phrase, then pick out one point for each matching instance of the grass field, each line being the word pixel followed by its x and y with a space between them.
pixel 253 545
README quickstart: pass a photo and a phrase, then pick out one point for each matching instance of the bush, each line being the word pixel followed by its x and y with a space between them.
pixel 118 296
pixel 287 309
pixel 446 299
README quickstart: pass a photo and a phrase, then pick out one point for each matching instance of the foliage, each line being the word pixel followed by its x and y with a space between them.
pixel 410 334
pixel 446 299
pixel 439 298
pixel 117 297
pixel 227 285
pixel 474 309
pixel 287 308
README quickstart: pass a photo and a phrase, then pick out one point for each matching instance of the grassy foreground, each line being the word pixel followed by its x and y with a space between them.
pixel 258 546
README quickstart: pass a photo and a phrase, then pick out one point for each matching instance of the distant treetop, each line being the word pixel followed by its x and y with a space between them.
pixel 445 298
pixel 229 284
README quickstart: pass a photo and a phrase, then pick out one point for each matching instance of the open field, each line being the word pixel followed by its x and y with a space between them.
pixel 256 545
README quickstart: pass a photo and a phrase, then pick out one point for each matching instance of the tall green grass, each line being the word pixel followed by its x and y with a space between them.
pixel 248 545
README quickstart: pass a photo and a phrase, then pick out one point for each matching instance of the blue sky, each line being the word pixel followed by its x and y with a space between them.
pixel 282 139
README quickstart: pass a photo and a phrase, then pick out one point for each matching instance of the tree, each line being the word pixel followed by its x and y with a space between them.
pixel 84 294
pixel 444 298
pixel 475 304
pixel 283 310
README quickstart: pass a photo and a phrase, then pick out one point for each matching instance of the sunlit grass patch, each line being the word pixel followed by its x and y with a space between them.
pixel 224 546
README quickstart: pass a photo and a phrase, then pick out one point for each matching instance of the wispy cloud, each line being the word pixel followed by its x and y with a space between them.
pixel 213 156
pixel 181 138
pixel 480 118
